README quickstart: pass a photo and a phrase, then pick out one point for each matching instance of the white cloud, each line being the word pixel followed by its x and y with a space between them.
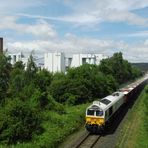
pixel 40 29
pixel 138 34
pixel 146 42
pixel 8 6
pixel 98 11
pixel 86 13
pixel 74 44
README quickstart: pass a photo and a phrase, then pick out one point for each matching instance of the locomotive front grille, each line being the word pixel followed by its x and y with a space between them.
pixel 95 120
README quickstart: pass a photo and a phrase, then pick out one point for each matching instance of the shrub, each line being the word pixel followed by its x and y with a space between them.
pixel 55 106
pixel 146 89
pixel 18 122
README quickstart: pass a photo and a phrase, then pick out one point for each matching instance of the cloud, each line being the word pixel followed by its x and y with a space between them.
pixel 86 13
pixel 138 34
pixel 70 43
pixel 82 13
pixel 40 29
pixel 74 44
pixel 103 11
pixel 8 6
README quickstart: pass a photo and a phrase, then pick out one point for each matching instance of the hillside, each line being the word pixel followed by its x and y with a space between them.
pixel 142 66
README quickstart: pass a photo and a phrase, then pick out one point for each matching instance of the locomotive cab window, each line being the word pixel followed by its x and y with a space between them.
pixel 115 94
pixel 105 101
pixel 90 112
pixel 99 113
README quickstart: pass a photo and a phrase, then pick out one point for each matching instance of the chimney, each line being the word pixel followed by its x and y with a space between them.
pixel 1 45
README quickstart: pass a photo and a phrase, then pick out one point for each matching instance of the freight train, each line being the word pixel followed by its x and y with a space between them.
pixel 100 112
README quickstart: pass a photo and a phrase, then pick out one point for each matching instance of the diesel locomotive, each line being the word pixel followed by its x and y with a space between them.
pixel 100 112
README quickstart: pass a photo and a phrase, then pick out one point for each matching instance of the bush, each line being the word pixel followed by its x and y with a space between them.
pixel 146 89
pixel 18 122
pixel 55 106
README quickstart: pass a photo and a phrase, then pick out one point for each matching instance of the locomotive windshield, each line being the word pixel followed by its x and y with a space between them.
pixel 99 113
pixel 90 112
pixel 94 112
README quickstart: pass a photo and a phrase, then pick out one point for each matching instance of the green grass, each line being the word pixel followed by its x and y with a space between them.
pixel 57 127
pixel 134 133
pixel 142 133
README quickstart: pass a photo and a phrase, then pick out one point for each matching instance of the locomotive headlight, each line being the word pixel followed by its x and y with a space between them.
pixel 101 120
pixel 88 119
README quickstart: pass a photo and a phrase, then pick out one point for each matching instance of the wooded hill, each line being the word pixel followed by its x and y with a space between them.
pixel 141 66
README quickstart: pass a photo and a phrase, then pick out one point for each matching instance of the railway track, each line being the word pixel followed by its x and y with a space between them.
pixel 88 141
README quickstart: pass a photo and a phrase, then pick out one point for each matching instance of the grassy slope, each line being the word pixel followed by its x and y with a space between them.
pixel 57 127
pixel 135 131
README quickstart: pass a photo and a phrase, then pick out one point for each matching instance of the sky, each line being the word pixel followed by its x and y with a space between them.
pixel 76 26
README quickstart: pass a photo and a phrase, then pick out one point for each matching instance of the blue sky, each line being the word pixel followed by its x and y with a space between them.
pixel 76 26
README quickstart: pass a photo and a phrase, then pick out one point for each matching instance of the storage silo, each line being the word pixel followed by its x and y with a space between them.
pixel 1 45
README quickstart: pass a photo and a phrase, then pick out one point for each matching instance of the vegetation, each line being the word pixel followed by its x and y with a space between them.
pixel 134 133
pixel 142 66
pixel 37 107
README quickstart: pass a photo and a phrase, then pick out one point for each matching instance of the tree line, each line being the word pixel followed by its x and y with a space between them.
pixel 26 94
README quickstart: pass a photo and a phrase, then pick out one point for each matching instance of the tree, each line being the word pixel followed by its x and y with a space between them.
pixel 82 84
pixel 30 70
pixel 17 81
pixel 18 122
pixel 19 65
pixel 5 69
pixel 119 68
pixel 43 80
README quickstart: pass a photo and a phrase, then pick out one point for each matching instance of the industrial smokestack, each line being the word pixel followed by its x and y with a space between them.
pixel 1 45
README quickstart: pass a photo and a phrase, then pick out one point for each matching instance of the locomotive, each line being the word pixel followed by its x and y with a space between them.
pixel 100 112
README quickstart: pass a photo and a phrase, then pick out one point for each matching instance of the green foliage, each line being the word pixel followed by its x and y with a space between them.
pixel 55 106
pixel 146 89
pixel 19 65
pixel 119 68
pixel 31 70
pixel 5 69
pixel 58 127
pixel 82 84
pixel 43 80
pixel 18 122
pixel 17 81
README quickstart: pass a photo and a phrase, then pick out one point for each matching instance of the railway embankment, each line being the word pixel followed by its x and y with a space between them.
pixel 134 133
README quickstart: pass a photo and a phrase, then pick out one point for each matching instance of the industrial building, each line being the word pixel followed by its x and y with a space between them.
pixel 15 57
pixel 54 62
pixel 60 62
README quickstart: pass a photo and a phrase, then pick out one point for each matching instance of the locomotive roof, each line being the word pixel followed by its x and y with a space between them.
pixel 106 102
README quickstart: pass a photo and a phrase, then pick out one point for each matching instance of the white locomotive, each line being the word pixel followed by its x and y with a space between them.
pixel 101 111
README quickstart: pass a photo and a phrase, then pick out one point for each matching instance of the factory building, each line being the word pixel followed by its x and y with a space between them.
pixel 15 57
pixel 54 62
pixel 60 62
